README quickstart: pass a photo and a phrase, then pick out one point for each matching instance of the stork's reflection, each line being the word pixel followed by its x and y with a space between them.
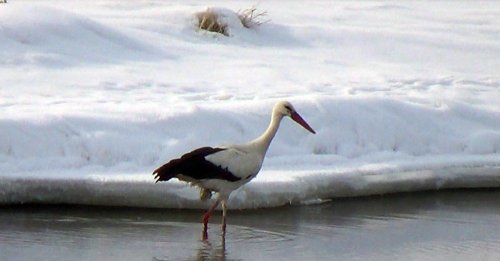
pixel 212 249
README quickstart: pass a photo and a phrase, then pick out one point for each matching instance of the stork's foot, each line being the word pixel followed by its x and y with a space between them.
pixel 205 219
pixel 204 234
pixel 223 228
pixel 224 212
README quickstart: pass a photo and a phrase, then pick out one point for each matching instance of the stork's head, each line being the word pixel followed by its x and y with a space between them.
pixel 285 108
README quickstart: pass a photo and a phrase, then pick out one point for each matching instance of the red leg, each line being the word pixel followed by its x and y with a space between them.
pixel 206 217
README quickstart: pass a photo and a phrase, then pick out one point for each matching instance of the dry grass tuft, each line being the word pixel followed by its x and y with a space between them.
pixel 209 20
pixel 250 18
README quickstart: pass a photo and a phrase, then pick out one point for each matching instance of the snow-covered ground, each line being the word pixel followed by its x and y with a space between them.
pixel 94 95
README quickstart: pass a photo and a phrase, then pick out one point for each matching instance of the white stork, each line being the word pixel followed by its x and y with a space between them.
pixel 226 168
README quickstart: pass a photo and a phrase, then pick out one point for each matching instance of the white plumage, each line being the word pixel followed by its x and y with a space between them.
pixel 242 164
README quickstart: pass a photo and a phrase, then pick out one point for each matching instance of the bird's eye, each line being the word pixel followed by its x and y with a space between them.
pixel 288 108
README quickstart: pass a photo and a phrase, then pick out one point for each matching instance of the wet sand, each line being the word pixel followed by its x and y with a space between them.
pixel 446 225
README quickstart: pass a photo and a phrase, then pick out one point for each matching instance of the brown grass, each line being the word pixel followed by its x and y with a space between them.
pixel 209 20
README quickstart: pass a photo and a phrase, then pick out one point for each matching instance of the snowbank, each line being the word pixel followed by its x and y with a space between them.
pixel 47 36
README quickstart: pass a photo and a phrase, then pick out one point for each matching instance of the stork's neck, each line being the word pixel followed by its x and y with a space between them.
pixel 262 143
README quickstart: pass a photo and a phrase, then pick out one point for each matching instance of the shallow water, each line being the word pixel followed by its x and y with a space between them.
pixel 446 225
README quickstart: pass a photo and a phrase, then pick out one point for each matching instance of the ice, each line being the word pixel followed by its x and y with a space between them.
pixel 95 95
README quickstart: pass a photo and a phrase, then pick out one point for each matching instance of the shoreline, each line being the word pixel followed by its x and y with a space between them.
pixel 303 189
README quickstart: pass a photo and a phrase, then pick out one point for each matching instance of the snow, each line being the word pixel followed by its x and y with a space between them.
pixel 94 95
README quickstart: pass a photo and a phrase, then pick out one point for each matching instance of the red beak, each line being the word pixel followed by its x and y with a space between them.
pixel 296 117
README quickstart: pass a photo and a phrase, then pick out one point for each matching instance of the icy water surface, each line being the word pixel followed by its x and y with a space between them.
pixel 447 225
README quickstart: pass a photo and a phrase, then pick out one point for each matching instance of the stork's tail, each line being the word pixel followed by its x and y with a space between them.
pixel 167 171
pixel 186 164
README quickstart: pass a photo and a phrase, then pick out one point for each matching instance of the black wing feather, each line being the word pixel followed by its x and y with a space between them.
pixel 194 165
